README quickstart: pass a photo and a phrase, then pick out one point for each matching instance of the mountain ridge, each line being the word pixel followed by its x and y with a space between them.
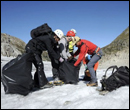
pixel 117 52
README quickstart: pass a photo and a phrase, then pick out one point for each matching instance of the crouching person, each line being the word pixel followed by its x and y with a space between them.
pixel 87 47
pixel 65 54
pixel 36 47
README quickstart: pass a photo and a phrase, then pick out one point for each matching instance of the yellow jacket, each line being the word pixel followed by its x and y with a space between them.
pixel 71 48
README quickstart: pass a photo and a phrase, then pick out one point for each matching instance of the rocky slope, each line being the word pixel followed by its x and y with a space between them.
pixel 117 52
pixel 12 46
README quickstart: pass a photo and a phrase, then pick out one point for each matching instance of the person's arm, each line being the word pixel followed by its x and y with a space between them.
pixel 82 53
pixel 67 50
pixel 50 49
pixel 68 54
pixel 77 52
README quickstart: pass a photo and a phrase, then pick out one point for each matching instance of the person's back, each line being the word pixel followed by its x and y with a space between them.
pixel 64 47
pixel 44 43
pixel 91 46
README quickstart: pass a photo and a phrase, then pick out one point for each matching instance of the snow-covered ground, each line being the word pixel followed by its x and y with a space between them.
pixel 66 96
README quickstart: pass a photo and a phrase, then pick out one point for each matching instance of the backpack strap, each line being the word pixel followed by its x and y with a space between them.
pixel 114 67
pixel 83 44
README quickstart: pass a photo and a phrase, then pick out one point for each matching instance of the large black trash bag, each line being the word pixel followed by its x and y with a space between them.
pixel 16 75
pixel 68 73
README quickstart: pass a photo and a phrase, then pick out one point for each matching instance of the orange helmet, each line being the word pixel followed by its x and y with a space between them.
pixel 70 33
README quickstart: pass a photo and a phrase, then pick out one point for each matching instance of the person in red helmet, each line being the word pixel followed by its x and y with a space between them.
pixel 74 31
pixel 87 47
pixel 71 47
pixel 70 34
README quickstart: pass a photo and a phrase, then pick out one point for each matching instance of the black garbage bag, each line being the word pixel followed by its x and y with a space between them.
pixel 68 73
pixel 16 75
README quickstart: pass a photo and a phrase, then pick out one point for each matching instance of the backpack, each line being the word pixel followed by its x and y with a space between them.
pixel 118 78
pixel 16 75
pixel 41 30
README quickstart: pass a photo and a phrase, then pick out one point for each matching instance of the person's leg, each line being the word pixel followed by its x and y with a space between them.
pixel 91 64
pixel 55 67
pixel 40 75
pixel 36 80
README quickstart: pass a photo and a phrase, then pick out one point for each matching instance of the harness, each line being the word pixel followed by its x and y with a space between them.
pixel 96 51
pixel 82 44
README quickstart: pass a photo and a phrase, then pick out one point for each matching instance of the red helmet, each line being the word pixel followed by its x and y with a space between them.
pixel 70 33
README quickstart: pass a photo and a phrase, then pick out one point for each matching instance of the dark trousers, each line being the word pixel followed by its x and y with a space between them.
pixel 39 76
pixel 55 67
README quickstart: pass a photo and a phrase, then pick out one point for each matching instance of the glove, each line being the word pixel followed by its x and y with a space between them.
pixel 70 58
pixel 78 66
pixel 89 57
pixel 61 60
pixel 86 67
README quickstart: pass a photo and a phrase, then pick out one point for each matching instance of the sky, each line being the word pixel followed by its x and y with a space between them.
pixel 67 96
pixel 97 21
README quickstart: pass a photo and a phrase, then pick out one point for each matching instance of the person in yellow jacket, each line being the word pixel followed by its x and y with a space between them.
pixel 71 47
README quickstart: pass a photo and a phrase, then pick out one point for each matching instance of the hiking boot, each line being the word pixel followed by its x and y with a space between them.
pixel 103 92
pixel 92 84
pixel 58 83
pixel 56 79
pixel 48 85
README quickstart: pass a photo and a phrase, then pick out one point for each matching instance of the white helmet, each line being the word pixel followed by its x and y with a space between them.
pixel 59 33
pixel 74 31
